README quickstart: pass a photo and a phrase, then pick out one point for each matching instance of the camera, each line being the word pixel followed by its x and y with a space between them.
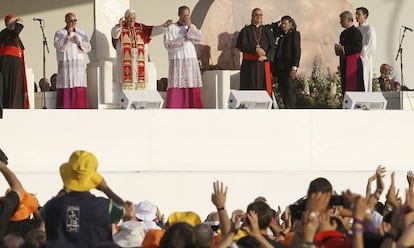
pixel 336 200
pixel 297 208
pixel 215 225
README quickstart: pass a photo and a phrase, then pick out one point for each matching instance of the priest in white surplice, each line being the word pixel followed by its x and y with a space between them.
pixel 71 46
pixel 369 43
pixel 184 79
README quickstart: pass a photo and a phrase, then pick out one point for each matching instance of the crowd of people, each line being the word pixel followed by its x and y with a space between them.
pixel 271 56
pixel 74 217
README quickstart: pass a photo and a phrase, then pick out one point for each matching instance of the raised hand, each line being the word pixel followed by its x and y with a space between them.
pixel 287 222
pixel 238 214
pixel 218 197
pixel 318 202
pixel 384 228
pixel 380 174
pixel 409 207
pixel 188 21
pixel 167 23
pixel 77 40
pixel 253 228
pixel 103 186
pixel 360 208
pixel 70 30
pixel 349 198
pixel 310 225
pixel 325 223
pixel 370 180
pixel 279 211
pixel 392 196
pixel 380 171
pixel 410 178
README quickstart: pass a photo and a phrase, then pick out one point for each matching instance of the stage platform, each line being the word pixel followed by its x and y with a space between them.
pixel 172 157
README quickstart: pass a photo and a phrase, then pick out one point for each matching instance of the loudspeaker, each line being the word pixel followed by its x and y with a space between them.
pixel 141 99
pixel 364 100
pixel 393 99
pixel 249 99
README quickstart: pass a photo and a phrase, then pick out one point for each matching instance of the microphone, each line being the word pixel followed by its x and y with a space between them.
pixel 37 19
pixel 410 29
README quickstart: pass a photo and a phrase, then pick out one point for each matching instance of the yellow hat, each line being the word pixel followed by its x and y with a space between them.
pixel 189 217
pixel 79 174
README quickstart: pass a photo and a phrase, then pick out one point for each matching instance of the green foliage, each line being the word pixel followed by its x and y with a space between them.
pixel 376 85
pixel 320 90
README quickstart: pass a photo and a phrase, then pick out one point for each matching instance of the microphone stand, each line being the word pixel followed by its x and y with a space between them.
pixel 400 55
pixel 45 46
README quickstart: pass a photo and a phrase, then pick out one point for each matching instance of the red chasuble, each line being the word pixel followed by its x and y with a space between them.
pixel 134 37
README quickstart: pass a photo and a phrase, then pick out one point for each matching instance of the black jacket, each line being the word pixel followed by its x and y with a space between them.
pixel 288 50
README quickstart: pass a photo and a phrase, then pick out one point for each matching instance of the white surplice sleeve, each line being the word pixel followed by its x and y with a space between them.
pixel 370 42
pixel 85 44
pixel 116 32
pixel 157 30
pixel 61 40
pixel 172 39
pixel 194 34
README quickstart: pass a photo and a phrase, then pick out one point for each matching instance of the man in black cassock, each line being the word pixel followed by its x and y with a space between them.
pixel 348 50
pixel 287 56
pixel 12 67
pixel 257 44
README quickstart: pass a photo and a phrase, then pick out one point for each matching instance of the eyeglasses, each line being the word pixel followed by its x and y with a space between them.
pixel 74 20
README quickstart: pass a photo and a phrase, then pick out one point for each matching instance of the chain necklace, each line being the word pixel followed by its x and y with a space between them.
pixel 258 38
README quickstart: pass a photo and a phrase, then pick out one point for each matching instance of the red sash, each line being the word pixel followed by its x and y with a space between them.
pixel 351 71
pixel 268 74
pixel 11 51
pixel 132 38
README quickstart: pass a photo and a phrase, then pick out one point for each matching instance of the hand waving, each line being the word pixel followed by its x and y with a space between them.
pixel 218 197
